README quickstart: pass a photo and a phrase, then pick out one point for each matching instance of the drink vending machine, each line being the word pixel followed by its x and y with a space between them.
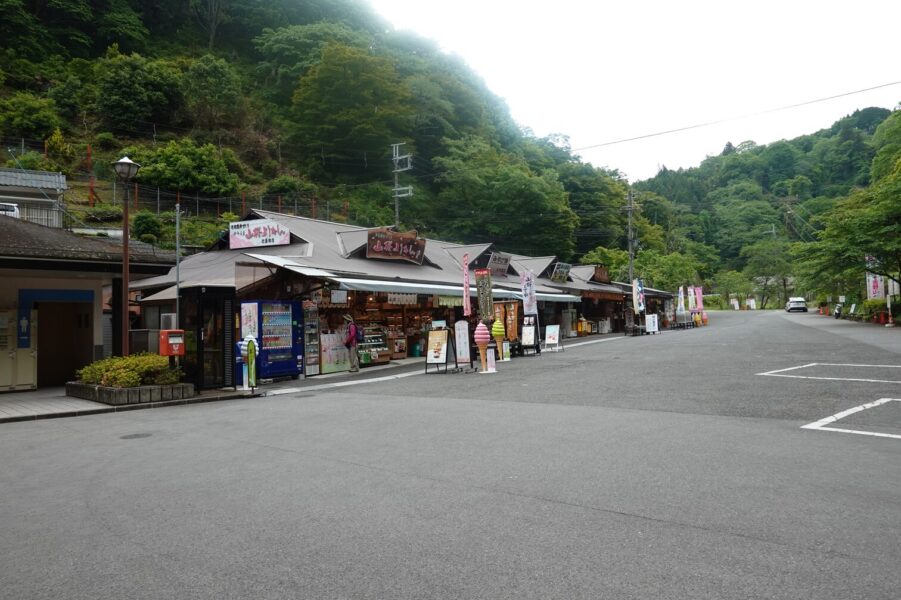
pixel 278 329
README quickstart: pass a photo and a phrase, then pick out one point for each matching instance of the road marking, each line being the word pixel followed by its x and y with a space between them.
pixel 821 424
pixel 326 386
pixel 780 372
pixel 577 344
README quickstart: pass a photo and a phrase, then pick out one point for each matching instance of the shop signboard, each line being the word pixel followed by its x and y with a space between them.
pixel 650 323
pixel 338 296
pixel 498 264
pixel 436 350
pixel 257 233
pixel 461 335
pixel 511 324
pixel 249 324
pixel 483 289
pixel 552 338
pixel 394 245
pixel 560 273
pixel 529 299
pixel 401 299
pixel 467 301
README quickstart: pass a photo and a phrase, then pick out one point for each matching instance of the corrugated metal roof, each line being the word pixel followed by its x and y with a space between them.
pixel 32 179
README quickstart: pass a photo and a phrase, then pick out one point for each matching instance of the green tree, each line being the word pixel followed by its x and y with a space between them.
pixel 488 196
pixel 212 90
pixel 768 264
pixel 348 110
pixel 132 88
pixel 616 261
pixel 27 115
pixel 289 52
pixel 183 165
pixel 665 271
pixel 728 283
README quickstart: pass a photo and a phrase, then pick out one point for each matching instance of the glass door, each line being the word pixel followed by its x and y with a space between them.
pixel 212 342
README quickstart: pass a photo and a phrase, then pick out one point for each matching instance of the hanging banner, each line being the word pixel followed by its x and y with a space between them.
pixel 257 233
pixel 699 294
pixel 402 298
pixel 392 245
pixel 483 289
pixel 511 324
pixel 498 264
pixel 529 300
pixel 637 296
pixel 875 286
pixel 467 301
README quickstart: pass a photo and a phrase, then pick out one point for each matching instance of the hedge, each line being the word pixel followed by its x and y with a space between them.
pixel 130 371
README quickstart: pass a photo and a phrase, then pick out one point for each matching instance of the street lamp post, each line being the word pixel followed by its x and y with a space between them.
pixel 126 169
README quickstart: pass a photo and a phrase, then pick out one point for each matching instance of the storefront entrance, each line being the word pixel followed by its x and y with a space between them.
pixel 208 320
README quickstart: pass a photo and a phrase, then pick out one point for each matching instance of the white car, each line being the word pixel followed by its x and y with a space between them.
pixel 9 210
pixel 799 304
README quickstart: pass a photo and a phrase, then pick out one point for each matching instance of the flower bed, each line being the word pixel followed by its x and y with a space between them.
pixel 133 395
pixel 134 379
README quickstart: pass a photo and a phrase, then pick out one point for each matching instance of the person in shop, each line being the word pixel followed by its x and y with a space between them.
pixel 350 342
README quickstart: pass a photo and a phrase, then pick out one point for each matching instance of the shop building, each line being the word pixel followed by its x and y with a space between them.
pixel 300 276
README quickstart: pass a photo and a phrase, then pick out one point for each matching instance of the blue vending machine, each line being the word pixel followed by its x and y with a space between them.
pixel 278 329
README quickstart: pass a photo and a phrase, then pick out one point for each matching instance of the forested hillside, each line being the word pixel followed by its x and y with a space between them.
pixel 294 105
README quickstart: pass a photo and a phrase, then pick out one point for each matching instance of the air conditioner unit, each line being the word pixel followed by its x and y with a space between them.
pixel 168 321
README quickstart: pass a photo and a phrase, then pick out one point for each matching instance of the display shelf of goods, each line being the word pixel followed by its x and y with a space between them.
pixel 374 348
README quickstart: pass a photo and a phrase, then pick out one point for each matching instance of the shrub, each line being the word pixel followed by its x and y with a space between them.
pixel 103 213
pixel 147 223
pixel 130 371
pixel 106 140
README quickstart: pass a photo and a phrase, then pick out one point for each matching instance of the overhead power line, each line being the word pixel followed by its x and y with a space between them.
pixel 727 120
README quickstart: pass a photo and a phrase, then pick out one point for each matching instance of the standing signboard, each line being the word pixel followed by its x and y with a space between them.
pixel 437 350
pixel 461 339
pixel 483 289
pixel 650 323
pixel 552 338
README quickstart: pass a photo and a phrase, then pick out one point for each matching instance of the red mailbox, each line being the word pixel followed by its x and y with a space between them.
pixel 172 342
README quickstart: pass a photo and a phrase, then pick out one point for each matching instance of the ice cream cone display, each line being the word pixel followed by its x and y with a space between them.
pixel 497 332
pixel 482 337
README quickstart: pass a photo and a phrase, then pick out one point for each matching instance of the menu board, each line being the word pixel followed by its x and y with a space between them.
pixel 436 350
pixel 528 335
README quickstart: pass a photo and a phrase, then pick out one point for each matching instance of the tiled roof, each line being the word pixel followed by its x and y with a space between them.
pixel 32 179
pixel 22 239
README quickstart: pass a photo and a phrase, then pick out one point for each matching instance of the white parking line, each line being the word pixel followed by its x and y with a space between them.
pixel 780 372
pixel 821 424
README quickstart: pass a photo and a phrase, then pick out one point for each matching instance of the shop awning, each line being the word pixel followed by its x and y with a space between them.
pixel 409 287
pixel 287 263
pixel 401 287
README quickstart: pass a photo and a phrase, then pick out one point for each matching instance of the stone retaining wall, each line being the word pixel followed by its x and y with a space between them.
pixel 139 395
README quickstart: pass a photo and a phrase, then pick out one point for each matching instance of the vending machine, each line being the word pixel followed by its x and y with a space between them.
pixel 278 328
pixel 311 338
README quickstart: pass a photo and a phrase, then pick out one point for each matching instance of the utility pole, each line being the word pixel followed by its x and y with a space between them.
pixel 401 163
pixel 629 208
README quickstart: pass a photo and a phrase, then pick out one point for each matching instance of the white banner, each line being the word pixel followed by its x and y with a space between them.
pixel 461 341
pixel 875 286
pixel 467 301
pixel 637 296
pixel 529 300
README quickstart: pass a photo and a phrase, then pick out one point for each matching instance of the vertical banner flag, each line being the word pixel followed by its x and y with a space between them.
pixel 875 286
pixel 467 301
pixel 637 296
pixel 529 300
pixel 691 298
pixel 681 307
pixel 699 294
pixel 483 288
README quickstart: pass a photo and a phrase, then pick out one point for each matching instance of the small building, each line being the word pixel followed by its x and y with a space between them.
pixel 38 195
pixel 52 300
